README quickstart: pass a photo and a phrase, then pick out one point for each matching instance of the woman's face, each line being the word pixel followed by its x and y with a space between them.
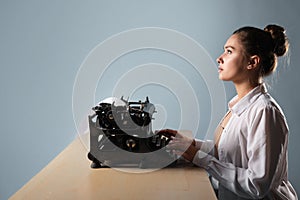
pixel 233 62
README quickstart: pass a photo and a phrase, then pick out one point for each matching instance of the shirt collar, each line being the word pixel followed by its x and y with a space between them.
pixel 240 106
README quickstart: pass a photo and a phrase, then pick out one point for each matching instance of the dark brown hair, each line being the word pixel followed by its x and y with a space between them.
pixel 268 44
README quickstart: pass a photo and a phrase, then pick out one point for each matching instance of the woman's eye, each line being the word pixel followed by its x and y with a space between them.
pixel 228 51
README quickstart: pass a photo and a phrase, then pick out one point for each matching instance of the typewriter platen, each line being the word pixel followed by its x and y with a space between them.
pixel 121 136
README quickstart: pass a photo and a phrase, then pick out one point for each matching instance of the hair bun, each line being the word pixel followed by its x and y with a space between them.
pixel 280 40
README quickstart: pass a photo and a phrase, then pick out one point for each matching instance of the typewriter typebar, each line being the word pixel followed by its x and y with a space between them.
pixel 121 136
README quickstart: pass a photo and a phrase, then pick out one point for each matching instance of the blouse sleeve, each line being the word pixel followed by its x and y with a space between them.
pixel 206 146
pixel 266 152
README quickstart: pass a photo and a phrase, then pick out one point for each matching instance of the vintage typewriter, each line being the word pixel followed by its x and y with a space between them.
pixel 121 136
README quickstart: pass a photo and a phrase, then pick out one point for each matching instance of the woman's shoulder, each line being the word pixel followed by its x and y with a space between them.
pixel 266 102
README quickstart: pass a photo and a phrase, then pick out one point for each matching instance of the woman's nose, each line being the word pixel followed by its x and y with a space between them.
pixel 219 60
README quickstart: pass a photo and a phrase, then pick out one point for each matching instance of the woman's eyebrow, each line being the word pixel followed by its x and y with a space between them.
pixel 231 47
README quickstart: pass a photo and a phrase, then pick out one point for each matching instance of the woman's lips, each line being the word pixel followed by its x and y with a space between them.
pixel 220 69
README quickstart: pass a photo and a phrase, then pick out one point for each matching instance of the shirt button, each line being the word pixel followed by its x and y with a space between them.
pixel 221 151
pixel 221 155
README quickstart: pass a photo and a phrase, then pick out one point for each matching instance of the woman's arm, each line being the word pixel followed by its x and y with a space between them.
pixel 266 151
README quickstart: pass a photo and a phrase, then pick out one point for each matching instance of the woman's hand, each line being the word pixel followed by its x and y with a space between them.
pixel 180 144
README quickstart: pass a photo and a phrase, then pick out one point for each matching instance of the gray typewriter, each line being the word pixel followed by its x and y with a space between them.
pixel 121 136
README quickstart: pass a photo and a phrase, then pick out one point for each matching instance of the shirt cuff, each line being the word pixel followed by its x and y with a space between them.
pixel 201 159
pixel 206 146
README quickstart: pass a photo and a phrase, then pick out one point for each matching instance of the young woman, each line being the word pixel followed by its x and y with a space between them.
pixel 248 157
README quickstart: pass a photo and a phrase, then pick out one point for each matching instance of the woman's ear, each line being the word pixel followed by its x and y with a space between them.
pixel 253 62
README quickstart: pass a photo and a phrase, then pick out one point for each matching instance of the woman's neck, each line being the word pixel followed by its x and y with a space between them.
pixel 243 89
pixel 245 86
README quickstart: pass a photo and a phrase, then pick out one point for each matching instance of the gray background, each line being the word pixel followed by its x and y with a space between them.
pixel 43 44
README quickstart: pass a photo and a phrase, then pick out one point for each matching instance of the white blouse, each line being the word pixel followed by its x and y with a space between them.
pixel 252 151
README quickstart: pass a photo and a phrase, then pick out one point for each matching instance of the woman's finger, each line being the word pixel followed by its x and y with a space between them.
pixel 167 132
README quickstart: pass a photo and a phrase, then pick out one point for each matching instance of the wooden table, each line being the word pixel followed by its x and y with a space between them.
pixel 69 176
